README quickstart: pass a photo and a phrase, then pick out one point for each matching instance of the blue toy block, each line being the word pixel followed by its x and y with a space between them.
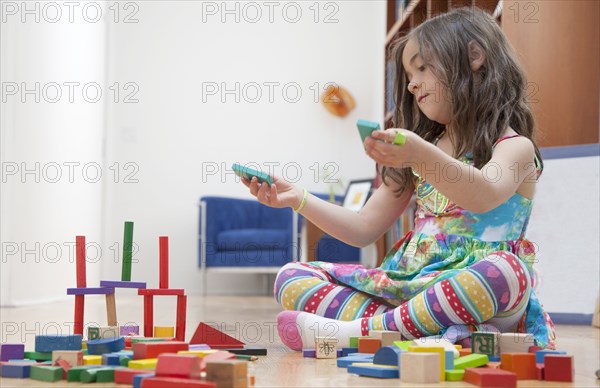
pixel 344 362
pixel 12 351
pixel 310 353
pixel 361 355
pixel 540 354
pixel 449 360
pixel 372 370
pixel 19 371
pixel 50 343
pixel 137 379
pixel 492 359
pixel 347 351
pixel 122 284
pixel 111 359
pixel 388 355
pixel 105 345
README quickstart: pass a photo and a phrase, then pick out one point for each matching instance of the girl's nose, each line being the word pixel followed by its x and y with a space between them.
pixel 412 87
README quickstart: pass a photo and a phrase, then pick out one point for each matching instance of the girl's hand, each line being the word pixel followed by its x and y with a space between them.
pixel 379 146
pixel 280 194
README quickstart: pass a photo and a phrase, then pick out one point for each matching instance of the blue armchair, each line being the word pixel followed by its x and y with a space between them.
pixel 242 235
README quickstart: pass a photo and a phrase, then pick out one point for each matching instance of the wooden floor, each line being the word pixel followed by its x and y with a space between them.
pixel 252 320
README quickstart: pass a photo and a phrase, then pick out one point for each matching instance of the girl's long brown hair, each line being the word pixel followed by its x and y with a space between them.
pixel 484 103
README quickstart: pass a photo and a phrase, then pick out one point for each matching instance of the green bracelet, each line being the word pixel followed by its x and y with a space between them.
pixel 303 203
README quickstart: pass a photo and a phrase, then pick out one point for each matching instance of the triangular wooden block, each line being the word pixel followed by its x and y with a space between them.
pixel 214 338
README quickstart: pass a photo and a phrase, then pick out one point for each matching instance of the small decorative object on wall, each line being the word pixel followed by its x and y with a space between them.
pixel 337 100
pixel 357 194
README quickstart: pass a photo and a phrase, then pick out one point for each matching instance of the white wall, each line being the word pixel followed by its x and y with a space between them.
pixel 171 133
pixel 41 214
pixel 565 227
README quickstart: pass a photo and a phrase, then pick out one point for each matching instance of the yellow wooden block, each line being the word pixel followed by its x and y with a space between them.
pixel 430 349
pixel 147 363
pixel 164 331
pixel 92 360
pixel 458 347
pixel 199 353
pixel 83 345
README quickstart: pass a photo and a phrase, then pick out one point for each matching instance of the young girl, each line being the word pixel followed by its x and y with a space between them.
pixel 470 160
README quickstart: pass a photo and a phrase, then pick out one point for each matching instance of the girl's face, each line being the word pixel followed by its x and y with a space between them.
pixel 431 95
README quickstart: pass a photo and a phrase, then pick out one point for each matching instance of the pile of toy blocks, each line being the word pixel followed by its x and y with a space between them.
pixel 494 359
pixel 119 355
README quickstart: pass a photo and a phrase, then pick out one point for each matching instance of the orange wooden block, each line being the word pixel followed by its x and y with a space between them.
pixel 143 350
pixel 178 365
pixel 218 356
pixel 464 352
pixel 368 345
pixel 523 364
pixel 489 377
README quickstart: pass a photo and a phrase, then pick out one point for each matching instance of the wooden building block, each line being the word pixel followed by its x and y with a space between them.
pixel 388 355
pixel 541 354
pixel 73 357
pixel 127 251
pixel 39 356
pixel 80 262
pixel 353 342
pixel 218 356
pixel 455 374
pixel 46 373
pixel 49 343
pixel 345 362
pixel 325 347
pixel 129 330
pixel 12 352
pixel 74 374
pixel 92 360
pixel 558 367
pixel 15 370
pixel 106 375
pixel 540 371
pixel 163 268
pixel 181 317
pixel 436 342
pixel 164 331
pixel 137 379
pixel 420 367
pixel 309 353
pixel 523 364
pixel 142 350
pixel 161 291
pixel 438 350
pixel 464 352
pixel 489 377
pixel 147 363
pixel 214 338
pixel 90 291
pixel 486 343
pixel 471 361
pixel 387 337
pixel 111 310
pixel 250 350
pixel 516 342
pixel 109 332
pixel 148 315
pixel 105 345
pixel 121 284
pixel 228 373
pixel 368 345
pixel 93 332
pixel 369 369
pixel 125 375
pixel 178 365
pixel 404 345
pixel 170 382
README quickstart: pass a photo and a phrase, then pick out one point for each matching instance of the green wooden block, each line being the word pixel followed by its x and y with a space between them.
pixel 106 375
pixel 85 352
pixel 46 373
pixel 353 342
pixel 455 374
pixel 127 251
pixel 146 339
pixel 93 333
pixel 124 361
pixel 471 361
pixel 74 374
pixel 39 356
pixel 404 345
pixel 486 343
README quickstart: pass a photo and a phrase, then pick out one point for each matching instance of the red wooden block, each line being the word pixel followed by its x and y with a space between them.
pixel 216 357
pixel 125 375
pixel 533 349
pixel 540 371
pixel 490 377
pixel 368 345
pixel 161 291
pixel 186 366
pixel 558 367
pixel 214 338
pixel 170 382
pixel 181 318
pixel 142 350
pixel 78 320
pixel 148 315
pixel 163 270
pixel 523 364
pixel 80 261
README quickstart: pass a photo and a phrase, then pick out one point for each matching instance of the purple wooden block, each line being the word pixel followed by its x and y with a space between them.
pixel 309 353
pixel 90 291
pixel 339 352
pixel 127 330
pixel 121 284
pixel 199 347
pixel 12 352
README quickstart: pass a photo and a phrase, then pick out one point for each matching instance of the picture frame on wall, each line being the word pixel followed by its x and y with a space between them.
pixel 357 194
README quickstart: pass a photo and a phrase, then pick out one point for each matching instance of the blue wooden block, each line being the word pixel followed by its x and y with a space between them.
pixel 344 362
pixel 387 355
pixel 361 355
pixel 111 359
pixel 372 370
pixel 311 353
pixel 90 291
pixel 122 284
pixel 347 351
pixel 540 354
pixel 449 360
pixel 492 358
pixel 338 353
pixel 50 343
pixel 19 371
pixel 137 379
pixel 105 345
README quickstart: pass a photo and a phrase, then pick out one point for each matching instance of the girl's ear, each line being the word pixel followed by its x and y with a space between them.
pixel 476 55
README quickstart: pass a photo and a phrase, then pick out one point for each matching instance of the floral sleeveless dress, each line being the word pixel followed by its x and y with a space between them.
pixel 446 239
